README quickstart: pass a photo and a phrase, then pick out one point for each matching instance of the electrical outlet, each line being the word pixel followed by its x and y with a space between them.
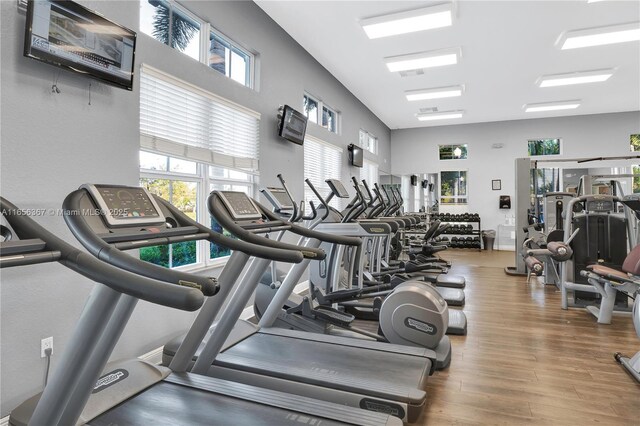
pixel 44 345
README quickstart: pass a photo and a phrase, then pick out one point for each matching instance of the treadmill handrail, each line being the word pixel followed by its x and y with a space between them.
pixel 151 290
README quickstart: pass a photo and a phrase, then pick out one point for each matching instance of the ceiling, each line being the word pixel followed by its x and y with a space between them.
pixel 506 46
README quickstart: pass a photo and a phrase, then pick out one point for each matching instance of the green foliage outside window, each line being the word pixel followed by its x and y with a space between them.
pixel 453 187
pixel 636 179
pixel 544 147
pixel 183 195
pixel 635 142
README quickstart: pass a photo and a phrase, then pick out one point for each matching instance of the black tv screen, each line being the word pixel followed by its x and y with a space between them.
pixel 356 155
pixel 293 125
pixel 68 35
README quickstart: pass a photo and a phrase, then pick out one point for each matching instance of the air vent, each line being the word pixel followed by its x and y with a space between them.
pixel 497 146
pixel 428 110
pixel 411 73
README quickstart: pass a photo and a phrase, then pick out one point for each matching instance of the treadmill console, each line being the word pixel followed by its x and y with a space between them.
pixel 125 206
pixel 337 188
pixel 600 204
pixel 278 197
pixel 240 206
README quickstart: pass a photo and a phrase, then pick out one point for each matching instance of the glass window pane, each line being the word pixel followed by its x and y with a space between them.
pixel 362 138
pixel 635 142
pixel 151 161
pixel 544 147
pixel 218 54
pixel 154 19
pixel 185 34
pixel 310 108
pixel 453 187
pixel 329 119
pixel 239 68
pixel 636 179
pixel 453 152
pixel 183 195
pixel 182 166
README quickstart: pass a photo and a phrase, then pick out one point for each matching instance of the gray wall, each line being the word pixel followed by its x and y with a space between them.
pixel 52 143
pixel 416 151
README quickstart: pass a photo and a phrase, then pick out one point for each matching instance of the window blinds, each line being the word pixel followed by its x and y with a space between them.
pixel 321 161
pixel 182 120
pixel 369 172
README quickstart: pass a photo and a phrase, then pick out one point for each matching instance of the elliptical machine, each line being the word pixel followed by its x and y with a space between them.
pixel 412 314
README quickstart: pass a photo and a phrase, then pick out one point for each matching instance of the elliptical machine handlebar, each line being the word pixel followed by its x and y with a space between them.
pixel 294 214
pixel 324 202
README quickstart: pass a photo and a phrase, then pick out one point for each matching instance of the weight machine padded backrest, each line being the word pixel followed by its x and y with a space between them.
pixel 631 263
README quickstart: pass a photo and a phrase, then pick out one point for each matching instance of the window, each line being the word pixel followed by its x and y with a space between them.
pixel 636 179
pixel 453 152
pixel 229 60
pixel 541 182
pixel 193 142
pixel 453 187
pixel 635 142
pixel 321 161
pixel 368 142
pixel 369 172
pixel 312 107
pixel 173 25
pixel 544 147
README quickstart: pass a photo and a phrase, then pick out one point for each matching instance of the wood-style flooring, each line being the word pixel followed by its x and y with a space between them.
pixel 526 361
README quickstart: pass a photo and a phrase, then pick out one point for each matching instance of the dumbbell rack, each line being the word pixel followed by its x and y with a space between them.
pixel 456 231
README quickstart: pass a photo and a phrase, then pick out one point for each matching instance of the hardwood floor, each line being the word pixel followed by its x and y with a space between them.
pixel 526 361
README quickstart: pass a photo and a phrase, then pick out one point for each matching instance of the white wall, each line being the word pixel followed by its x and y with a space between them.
pixel 52 143
pixel 415 151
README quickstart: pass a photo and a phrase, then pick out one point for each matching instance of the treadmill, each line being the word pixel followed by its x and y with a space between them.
pixel 368 374
pixel 83 388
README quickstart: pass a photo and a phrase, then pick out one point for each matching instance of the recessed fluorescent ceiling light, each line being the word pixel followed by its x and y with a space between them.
pixel 551 106
pixel 575 78
pixel 600 36
pixel 436 93
pixel 408 22
pixel 422 60
pixel 443 115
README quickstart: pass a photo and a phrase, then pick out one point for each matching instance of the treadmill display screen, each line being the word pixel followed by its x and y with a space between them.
pixel 337 188
pixel 123 203
pixel 240 205
pixel 281 196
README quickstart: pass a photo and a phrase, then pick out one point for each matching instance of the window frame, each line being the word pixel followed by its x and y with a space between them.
pixel 560 144
pixel 204 181
pixel 321 106
pixel 365 138
pixel 455 197
pixel 206 30
pixel 453 147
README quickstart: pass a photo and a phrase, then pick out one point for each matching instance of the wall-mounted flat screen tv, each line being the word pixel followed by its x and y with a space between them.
pixel 356 156
pixel 293 125
pixel 68 35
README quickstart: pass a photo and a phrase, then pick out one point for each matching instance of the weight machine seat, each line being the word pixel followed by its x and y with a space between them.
pixel 631 265
pixel 607 272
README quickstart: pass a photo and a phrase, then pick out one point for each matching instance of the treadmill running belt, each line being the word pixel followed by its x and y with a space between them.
pixel 394 372
pixel 171 404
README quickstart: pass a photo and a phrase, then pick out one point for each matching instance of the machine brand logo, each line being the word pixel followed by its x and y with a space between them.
pixel 379 230
pixel 423 327
pixel 110 379
pixel 382 407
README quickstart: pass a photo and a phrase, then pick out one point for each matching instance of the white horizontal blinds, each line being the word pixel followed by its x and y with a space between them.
pixel 182 120
pixel 369 172
pixel 321 161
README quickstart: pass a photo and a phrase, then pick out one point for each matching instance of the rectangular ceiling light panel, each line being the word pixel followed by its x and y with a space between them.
pixel 443 115
pixel 436 58
pixel 552 106
pixel 581 77
pixel 435 93
pixel 600 36
pixel 408 22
